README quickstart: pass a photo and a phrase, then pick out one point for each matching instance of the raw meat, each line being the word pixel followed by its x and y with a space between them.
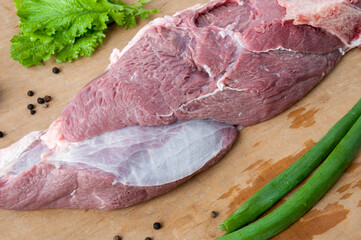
pixel 109 171
pixel 338 17
pixel 233 61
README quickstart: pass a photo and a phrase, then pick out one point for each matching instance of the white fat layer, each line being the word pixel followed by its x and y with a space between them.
pixel 200 97
pixel 312 12
pixel 136 156
pixel 222 33
pixel 148 156
pixel 220 84
pixel 114 57
pixel 236 89
pixel 280 48
pixel 165 115
pixel 236 39
pixel 208 69
pixel 357 42
pixel 342 51
pixel 184 105
pixel 17 157
pixel 100 200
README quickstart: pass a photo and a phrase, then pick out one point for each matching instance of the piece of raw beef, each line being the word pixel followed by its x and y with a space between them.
pixel 235 62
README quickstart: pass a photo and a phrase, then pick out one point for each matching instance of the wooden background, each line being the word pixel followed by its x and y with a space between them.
pixel 260 153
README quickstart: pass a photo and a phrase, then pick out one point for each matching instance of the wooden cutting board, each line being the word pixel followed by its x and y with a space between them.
pixel 260 153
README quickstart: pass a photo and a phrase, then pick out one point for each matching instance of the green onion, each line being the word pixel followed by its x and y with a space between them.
pixel 312 191
pixel 267 196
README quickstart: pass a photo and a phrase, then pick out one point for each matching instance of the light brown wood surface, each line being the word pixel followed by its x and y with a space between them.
pixel 260 153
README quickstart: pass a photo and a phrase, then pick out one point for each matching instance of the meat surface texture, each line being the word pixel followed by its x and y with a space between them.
pixel 234 61
pixel 164 108
pixel 110 171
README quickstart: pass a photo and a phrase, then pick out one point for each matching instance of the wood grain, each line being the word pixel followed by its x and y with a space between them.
pixel 260 152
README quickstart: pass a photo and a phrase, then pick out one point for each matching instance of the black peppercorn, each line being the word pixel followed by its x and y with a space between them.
pixel 32 112
pixel 148 238
pixel 117 237
pixel 213 214
pixel 157 226
pixel 30 93
pixel 41 100
pixel 1 134
pixel 47 98
pixel 56 70
pixel 30 106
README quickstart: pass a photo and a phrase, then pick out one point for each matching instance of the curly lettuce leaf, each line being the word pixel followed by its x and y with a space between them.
pixel 29 52
pixel 33 52
pixel 72 17
pixel 83 46
pixel 130 12
pixel 68 28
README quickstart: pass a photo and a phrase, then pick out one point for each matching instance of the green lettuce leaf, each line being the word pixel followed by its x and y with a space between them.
pixel 29 52
pixel 83 46
pixel 68 28
pixel 72 17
